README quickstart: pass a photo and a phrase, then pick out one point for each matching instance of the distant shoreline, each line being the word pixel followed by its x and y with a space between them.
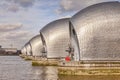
pixel 9 55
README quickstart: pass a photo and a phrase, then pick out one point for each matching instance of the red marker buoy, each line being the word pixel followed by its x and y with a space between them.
pixel 67 58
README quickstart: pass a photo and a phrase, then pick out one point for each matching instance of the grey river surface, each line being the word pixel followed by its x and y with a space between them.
pixel 15 68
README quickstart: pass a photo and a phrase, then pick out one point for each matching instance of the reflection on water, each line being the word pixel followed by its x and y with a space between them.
pixel 15 68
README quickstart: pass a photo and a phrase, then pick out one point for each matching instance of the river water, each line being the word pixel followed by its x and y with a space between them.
pixel 15 68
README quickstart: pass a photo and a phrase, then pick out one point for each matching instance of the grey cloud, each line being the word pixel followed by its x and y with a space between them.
pixel 16 5
pixel 8 6
pixel 9 27
pixel 17 38
pixel 18 35
pixel 13 8
pixel 25 3
pixel 75 5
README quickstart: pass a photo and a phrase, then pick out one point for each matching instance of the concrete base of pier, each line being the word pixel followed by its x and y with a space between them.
pixel 45 62
pixel 25 57
pixel 89 68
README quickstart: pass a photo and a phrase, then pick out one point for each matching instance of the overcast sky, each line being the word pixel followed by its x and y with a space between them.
pixel 20 20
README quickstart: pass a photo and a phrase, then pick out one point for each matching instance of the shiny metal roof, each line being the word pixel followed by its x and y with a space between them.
pixel 97 28
pixel 56 35
pixel 36 45
pixel 28 49
pixel 23 51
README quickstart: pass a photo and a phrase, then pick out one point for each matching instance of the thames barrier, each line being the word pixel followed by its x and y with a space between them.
pixel 87 43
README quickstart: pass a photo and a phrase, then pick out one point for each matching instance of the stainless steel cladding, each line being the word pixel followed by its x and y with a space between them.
pixel 56 38
pixel 36 45
pixel 28 49
pixel 23 51
pixel 97 28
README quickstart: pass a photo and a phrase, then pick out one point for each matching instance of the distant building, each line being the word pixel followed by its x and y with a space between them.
pixel 0 46
pixel 8 51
